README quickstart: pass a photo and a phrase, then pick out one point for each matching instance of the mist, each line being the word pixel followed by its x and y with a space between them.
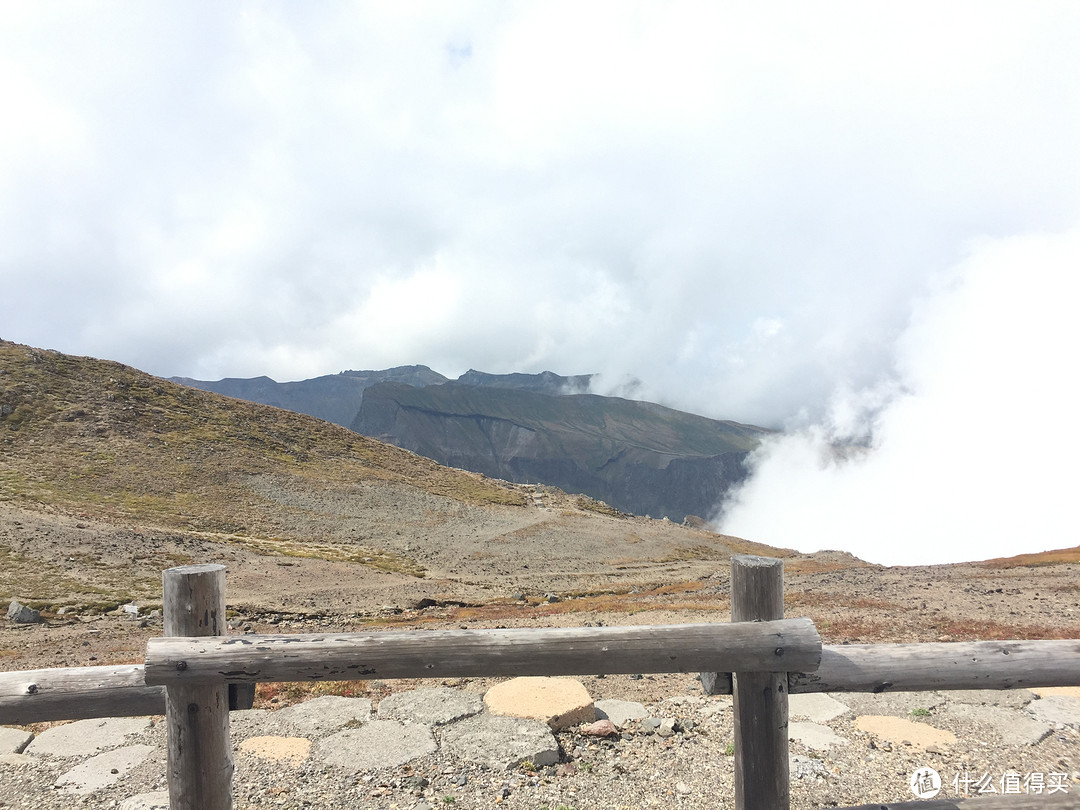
pixel 967 450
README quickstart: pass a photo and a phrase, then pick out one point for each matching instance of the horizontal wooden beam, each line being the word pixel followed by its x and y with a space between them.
pixel 777 646
pixel 952 665
pixel 1031 801
pixel 77 693
pixel 926 667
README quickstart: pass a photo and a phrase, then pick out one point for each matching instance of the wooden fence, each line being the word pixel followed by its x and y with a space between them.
pixel 759 658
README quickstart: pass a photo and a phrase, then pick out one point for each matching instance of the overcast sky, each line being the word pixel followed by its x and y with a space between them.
pixel 818 216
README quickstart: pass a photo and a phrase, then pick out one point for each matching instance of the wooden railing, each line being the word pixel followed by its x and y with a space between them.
pixel 759 658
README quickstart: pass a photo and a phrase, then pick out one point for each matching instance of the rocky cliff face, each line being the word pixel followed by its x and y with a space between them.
pixel 636 456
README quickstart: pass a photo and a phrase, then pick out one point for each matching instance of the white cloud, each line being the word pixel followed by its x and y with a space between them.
pixel 639 189
pixel 972 444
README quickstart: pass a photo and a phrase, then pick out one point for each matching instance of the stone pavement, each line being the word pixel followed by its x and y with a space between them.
pixel 351 735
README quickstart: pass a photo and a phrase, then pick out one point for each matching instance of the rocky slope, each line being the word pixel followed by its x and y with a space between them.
pixel 639 457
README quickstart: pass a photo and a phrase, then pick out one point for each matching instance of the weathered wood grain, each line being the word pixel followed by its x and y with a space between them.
pixel 949 665
pixel 925 667
pixel 200 754
pixel 77 693
pixel 760 700
pixel 791 643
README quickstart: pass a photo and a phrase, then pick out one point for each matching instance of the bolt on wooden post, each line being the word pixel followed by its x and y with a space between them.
pixel 200 754
pixel 760 698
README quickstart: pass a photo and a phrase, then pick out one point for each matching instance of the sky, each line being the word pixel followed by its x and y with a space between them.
pixel 854 221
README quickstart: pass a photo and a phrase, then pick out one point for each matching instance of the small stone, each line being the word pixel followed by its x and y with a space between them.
pixel 601 728
pixel 682 788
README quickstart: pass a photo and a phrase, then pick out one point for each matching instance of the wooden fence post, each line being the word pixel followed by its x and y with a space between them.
pixel 760 698
pixel 200 753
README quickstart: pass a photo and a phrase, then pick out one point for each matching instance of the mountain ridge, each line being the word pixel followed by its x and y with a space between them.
pixel 640 457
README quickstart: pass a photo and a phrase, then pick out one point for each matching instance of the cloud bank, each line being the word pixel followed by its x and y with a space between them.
pixel 968 451
pixel 746 207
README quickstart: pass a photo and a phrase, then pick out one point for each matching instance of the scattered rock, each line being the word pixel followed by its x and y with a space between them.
pixel 800 767
pixel 20 614
pixel 620 712
pixel 601 728
pixel 650 725
pixel 667 727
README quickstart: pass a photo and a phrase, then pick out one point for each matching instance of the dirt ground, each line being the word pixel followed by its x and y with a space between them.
pixel 545 565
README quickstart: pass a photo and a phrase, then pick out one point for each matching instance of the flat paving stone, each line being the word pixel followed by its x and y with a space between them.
pixel 431 707
pixel 376 744
pixel 897 704
pixel 1047 691
pixel 620 712
pixel 501 742
pixel 816 707
pixel 1012 726
pixel 14 740
pixel 104 769
pixel 1056 709
pixel 85 737
pixel 277 749
pixel 919 736
pixel 324 715
pixel 815 735
pixel 252 722
pixel 559 702
pixel 159 800
pixel 1006 698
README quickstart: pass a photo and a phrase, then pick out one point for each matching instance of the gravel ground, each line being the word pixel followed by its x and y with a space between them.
pixel 692 768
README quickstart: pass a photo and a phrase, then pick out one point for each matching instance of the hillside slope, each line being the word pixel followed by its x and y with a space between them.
pixel 640 457
pixel 109 475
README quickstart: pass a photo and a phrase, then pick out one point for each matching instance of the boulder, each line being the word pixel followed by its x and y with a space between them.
pixel 22 614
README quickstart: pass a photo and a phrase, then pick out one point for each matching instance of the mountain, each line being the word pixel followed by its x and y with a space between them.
pixel 546 382
pixel 333 397
pixel 638 457
pixel 544 428
pixel 109 475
